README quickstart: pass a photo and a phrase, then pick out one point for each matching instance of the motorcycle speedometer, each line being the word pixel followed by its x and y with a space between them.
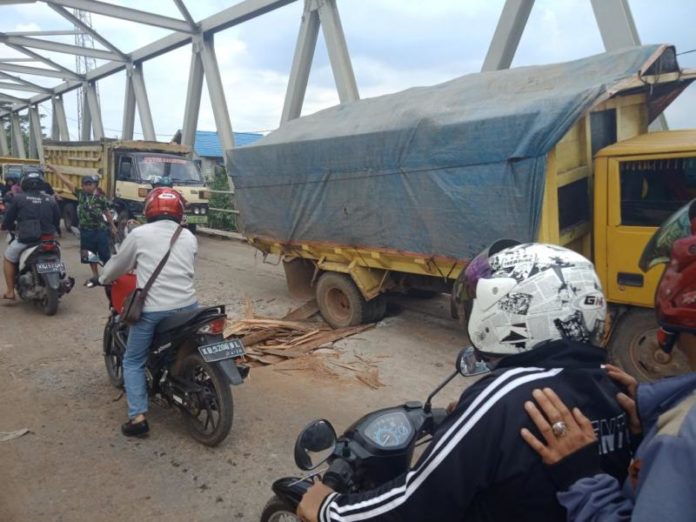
pixel 390 430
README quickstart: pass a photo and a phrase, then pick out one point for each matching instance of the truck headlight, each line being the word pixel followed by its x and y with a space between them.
pixel 196 210
pixel 204 210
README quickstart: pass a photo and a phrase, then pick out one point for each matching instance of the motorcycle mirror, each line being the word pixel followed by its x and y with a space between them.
pixel 468 365
pixel 319 437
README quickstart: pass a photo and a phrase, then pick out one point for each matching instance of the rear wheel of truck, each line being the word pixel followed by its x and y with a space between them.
pixel 122 228
pixel 634 348
pixel 70 216
pixel 340 302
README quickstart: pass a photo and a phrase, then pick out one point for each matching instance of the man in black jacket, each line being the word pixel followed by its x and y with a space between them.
pixel 31 215
pixel 533 311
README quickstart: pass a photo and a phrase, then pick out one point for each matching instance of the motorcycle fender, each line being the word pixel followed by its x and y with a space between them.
pixel 52 280
pixel 230 370
pixel 291 489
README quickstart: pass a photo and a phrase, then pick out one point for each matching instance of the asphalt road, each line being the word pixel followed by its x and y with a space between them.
pixel 75 465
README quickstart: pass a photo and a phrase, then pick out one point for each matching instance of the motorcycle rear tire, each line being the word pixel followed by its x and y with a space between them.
pixel 112 359
pixel 49 304
pixel 278 510
pixel 223 394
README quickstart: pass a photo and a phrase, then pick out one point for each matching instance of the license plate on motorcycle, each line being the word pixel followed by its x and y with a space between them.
pixel 45 268
pixel 222 350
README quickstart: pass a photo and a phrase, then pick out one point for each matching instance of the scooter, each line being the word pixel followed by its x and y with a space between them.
pixel 377 448
pixel 190 367
pixel 41 276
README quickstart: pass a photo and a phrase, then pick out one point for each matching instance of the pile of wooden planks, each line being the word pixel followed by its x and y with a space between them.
pixel 269 341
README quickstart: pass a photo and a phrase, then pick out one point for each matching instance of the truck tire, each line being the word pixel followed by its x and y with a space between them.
pixel 70 216
pixel 340 302
pixel 634 348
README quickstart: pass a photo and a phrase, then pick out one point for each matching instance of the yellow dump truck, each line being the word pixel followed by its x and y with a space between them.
pixel 401 191
pixel 127 170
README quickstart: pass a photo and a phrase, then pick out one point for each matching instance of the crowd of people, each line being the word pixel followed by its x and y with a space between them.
pixel 552 433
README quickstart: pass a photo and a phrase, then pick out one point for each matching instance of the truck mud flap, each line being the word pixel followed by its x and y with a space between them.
pixel 299 274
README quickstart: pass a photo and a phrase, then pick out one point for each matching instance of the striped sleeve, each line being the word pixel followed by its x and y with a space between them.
pixel 443 483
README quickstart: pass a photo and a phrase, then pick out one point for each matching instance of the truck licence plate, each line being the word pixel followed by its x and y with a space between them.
pixel 45 268
pixel 222 350
pixel 196 220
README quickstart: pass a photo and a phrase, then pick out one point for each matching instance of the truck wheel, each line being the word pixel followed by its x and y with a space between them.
pixel 122 228
pixel 634 348
pixel 70 217
pixel 340 302
pixel 192 228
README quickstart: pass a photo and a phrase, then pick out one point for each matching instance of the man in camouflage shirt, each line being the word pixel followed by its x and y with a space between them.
pixel 92 208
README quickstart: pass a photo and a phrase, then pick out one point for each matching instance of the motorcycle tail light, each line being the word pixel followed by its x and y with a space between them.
pixel 214 327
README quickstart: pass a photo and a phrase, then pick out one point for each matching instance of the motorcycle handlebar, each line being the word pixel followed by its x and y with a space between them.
pixel 339 476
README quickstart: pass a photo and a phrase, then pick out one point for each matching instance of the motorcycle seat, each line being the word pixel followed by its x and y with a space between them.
pixel 183 318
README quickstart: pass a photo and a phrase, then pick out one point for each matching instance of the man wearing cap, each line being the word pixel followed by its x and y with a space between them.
pixel 92 208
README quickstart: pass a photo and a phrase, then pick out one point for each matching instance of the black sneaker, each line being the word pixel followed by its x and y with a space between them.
pixel 135 429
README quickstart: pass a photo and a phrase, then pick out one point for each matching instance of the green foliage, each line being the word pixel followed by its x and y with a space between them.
pixel 221 220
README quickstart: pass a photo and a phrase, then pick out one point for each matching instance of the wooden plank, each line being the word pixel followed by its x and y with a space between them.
pixel 304 312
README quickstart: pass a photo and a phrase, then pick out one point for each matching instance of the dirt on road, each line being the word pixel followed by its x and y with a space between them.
pixel 74 465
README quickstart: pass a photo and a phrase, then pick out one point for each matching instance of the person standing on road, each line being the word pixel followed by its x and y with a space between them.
pixel 172 291
pixel 31 215
pixel 92 208
pixel 533 311
pixel 661 475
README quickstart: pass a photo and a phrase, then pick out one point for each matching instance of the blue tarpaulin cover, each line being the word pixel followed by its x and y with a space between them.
pixel 442 170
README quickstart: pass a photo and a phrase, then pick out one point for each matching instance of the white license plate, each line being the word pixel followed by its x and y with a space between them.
pixel 45 268
pixel 223 350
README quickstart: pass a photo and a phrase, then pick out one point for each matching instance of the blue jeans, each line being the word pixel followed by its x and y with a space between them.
pixel 137 350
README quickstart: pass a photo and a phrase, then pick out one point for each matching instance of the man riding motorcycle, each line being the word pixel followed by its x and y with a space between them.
pixel 660 484
pixel 31 214
pixel 533 311
pixel 171 292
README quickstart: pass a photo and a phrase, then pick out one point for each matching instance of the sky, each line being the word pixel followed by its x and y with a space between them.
pixel 394 45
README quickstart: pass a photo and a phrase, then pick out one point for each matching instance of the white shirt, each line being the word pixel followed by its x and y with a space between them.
pixel 142 250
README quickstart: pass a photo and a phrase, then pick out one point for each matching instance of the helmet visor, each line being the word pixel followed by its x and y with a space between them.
pixel 659 248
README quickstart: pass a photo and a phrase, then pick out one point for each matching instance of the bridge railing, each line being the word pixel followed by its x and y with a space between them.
pixel 221 212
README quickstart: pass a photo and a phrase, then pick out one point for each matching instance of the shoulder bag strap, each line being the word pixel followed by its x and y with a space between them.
pixel 159 268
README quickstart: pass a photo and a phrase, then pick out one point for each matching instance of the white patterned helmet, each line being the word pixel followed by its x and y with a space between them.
pixel 518 296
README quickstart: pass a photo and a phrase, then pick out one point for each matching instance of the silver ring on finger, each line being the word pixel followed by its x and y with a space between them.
pixel 559 429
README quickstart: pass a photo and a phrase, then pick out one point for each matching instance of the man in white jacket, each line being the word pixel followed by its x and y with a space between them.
pixel 171 292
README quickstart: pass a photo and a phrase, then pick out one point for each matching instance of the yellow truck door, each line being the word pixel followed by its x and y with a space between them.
pixel 642 192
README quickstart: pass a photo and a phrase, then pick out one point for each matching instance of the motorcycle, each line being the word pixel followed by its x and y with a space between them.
pixel 41 276
pixel 190 366
pixel 377 448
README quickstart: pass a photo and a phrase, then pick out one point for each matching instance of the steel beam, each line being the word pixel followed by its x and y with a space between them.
pixel 94 110
pixel 59 119
pixel 193 97
pixel 42 33
pixel 338 51
pixel 67 73
pixel 62 11
pixel 615 23
pixel 216 92
pixel 185 13
pixel 301 64
pixel 17 79
pixel 35 133
pixel 86 123
pixel 507 34
pixel 241 12
pixel 128 109
pixel 138 82
pixel 125 13
pixel 38 71
pixel 18 149
pixel 4 149
pixel 57 47
pixel 21 87
pixel 12 99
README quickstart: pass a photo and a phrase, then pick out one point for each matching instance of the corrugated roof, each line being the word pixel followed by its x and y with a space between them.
pixel 207 144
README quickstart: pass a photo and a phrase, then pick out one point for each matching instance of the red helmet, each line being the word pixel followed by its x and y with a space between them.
pixel 164 202
pixel 675 299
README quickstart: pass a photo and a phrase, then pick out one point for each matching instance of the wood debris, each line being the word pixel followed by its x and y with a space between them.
pixel 288 344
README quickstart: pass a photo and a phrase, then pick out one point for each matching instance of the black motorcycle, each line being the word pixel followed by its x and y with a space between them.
pixel 191 366
pixel 377 448
pixel 41 276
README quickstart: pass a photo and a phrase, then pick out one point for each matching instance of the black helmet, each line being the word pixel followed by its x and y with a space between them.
pixel 32 181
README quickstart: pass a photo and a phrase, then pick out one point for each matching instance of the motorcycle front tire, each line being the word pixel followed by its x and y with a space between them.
pixel 49 304
pixel 278 510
